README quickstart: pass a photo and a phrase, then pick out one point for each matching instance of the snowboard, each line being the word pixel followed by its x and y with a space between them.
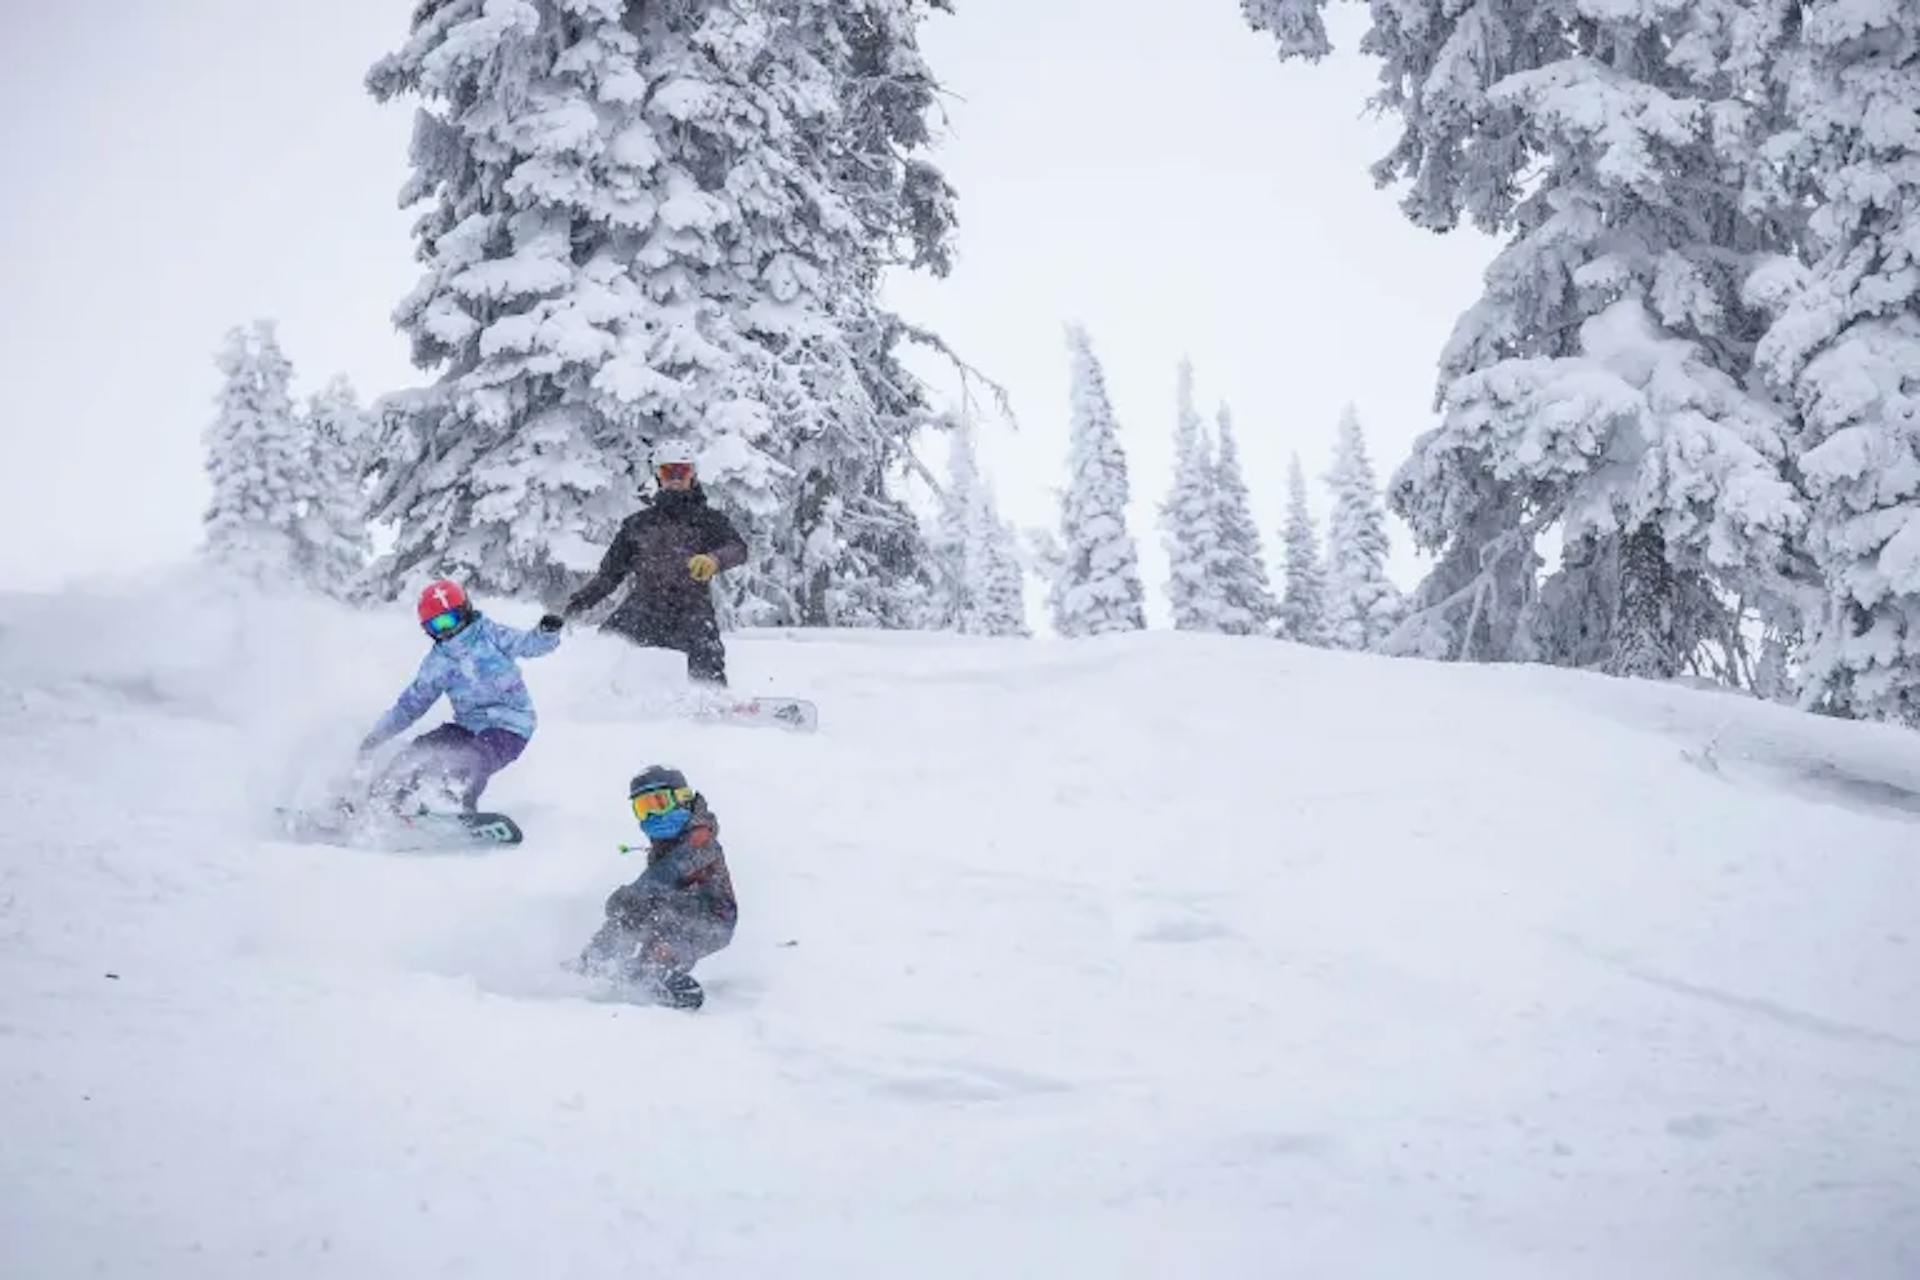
pixel 679 991
pixel 614 986
pixel 400 832
pixel 635 996
pixel 796 715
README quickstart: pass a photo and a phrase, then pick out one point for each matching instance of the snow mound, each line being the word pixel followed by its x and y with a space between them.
pixel 1134 956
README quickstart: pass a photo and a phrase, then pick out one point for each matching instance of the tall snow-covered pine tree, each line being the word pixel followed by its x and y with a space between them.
pixel 1303 609
pixel 539 173
pixel 1363 605
pixel 1189 520
pixel 1097 589
pixel 665 221
pixel 257 460
pixel 1247 606
pixel 1597 388
pixel 1845 347
pixel 850 194
pixel 984 582
pixel 335 545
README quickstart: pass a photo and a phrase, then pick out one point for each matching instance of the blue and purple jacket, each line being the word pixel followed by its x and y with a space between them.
pixel 477 671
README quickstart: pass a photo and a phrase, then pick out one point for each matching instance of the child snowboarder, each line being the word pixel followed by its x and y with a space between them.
pixel 473 662
pixel 680 909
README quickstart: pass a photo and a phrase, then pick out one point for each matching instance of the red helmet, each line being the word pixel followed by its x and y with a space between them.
pixel 439 599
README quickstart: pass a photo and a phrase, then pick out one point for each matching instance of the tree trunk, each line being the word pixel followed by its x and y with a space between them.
pixel 1644 643
pixel 813 588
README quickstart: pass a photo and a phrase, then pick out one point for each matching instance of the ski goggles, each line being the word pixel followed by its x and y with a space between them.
pixel 663 800
pixel 444 624
pixel 674 471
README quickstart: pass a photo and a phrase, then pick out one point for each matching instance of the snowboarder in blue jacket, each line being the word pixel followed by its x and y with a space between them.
pixel 473 662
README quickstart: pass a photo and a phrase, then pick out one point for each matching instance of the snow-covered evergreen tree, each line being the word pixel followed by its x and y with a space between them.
pixel 1001 609
pixel 1189 521
pixel 537 164
pixel 856 199
pixel 665 221
pixel 334 543
pixel 1845 347
pixel 1597 387
pixel 257 460
pixel 1363 605
pixel 1098 587
pixel 1296 24
pixel 983 584
pixel 1303 615
pixel 1247 606
pixel 1646 458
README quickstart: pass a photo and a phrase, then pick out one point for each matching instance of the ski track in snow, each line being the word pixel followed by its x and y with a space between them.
pixel 1143 956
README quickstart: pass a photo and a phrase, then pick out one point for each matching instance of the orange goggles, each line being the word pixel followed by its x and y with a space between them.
pixel 664 800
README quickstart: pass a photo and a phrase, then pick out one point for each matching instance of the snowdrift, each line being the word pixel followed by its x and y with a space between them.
pixel 1145 956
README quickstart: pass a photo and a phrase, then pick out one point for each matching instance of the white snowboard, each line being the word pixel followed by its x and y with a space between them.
pixel 411 832
pixel 796 715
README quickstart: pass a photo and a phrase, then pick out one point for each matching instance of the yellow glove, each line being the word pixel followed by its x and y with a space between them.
pixel 702 567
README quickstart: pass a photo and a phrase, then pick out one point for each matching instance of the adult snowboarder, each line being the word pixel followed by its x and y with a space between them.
pixel 670 550
pixel 681 908
pixel 473 662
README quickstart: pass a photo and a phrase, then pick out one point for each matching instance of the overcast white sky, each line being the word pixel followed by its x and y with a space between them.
pixel 174 167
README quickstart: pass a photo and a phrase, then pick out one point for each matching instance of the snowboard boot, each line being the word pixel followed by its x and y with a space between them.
pixel 677 988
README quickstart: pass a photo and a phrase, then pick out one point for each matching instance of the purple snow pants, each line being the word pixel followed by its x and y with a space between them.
pixel 467 760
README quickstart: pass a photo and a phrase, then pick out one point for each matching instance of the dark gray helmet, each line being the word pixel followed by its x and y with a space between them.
pixel 655 777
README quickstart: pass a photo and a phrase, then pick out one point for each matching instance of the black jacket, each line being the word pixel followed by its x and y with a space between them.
pixel 651 551
pixel 686 877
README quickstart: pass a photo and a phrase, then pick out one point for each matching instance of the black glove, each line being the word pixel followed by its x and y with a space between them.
pixel 552 622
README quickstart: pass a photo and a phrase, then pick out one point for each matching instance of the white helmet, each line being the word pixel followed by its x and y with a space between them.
pixel 672 451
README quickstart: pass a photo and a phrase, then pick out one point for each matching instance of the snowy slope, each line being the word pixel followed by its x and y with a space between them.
pixel 1147 956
